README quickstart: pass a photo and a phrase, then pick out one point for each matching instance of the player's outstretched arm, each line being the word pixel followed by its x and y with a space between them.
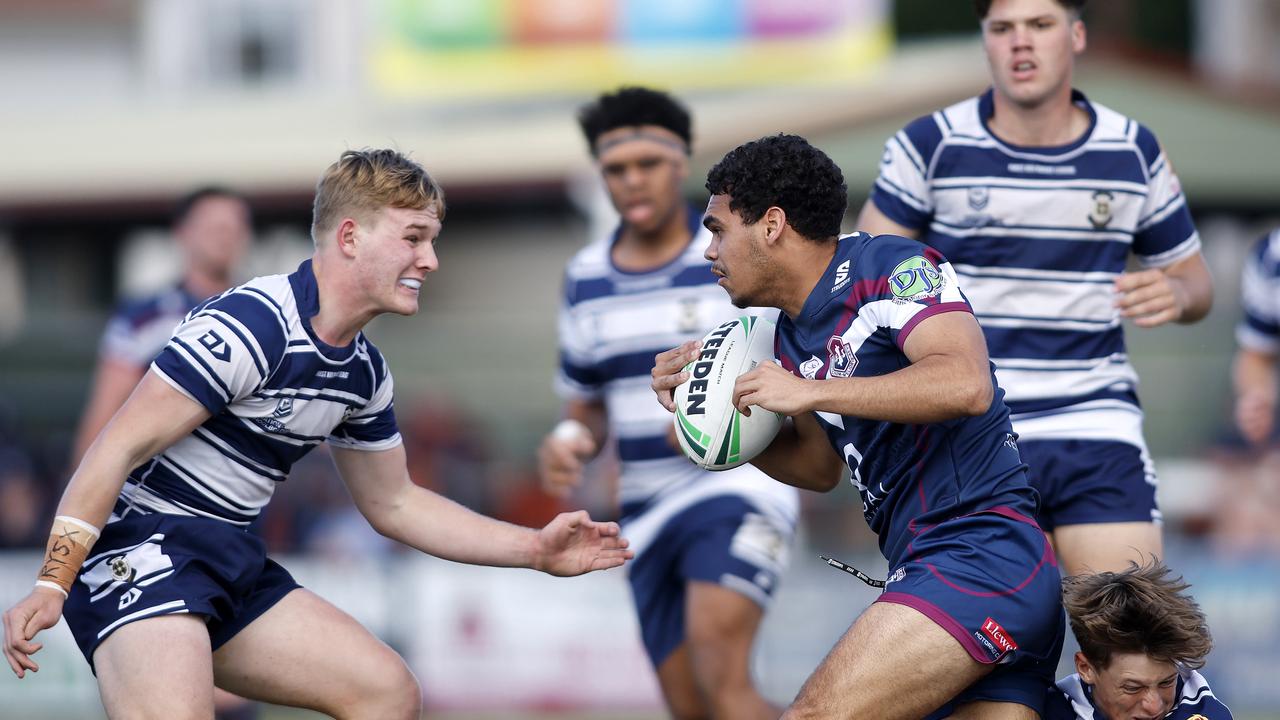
pixel 153 418
pixel 571 544
pixel 1182 293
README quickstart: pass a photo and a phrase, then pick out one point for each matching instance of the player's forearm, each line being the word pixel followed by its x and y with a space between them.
pixel 935 388
pixel 96 483
pixel 1193 287
pixel 1254 373
pixel 793 460
pixel 436 525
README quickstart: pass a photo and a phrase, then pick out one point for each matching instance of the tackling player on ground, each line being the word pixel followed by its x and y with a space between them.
pixel 1142 641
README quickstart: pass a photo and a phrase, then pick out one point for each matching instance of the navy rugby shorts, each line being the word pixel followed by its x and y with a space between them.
pixel 156 564
pixel 723 540
pixel 990 580
pixel 1090 481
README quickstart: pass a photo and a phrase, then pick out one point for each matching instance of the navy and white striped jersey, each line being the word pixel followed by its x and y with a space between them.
pixel 611 324
pixel 854 323
pixel 1037 237
pixel 1259 329
pixel 274 390
pixel 1072 699
pixel 139 329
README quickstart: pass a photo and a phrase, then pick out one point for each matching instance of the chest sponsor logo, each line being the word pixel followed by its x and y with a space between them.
pixel 216 346
pixel 332 374
pixel 842 276
pixel 809 368
pixel 999 636
pixel 1100 216
pixel 914 279
pixel 841 362
pixel 284 408
pixel 978 197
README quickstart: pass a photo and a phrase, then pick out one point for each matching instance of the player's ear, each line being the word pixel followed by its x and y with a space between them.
pixel 774 220
pixel 1085 669
pixel 1079 38
pixel 345 236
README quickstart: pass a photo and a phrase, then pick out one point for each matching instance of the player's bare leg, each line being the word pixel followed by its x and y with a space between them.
pixel 679 688
pixel 1105 547
pixel 894 664
pixel 720 630
pixel 157 668
pixel 304 652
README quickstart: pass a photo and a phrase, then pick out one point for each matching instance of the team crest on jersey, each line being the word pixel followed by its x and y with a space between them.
pixel 284 408
pixel 809 368
pixel 689 320
pixel 1100 216
pixel 841 360
pixel 978 197
pixel 216 346
pixel 915 279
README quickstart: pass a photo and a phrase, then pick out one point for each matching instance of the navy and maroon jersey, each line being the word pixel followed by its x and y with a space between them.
pixel 874 293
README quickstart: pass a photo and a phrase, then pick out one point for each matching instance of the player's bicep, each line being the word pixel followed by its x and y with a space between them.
pixel 155 416
pixel 873 221
pixel 376 479
pixel 951 334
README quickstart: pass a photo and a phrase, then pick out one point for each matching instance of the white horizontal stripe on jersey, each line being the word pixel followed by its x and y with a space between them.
pixel 1081 234
pixel 974 271
pixel 1023 384
pixel 1048 184
pixel 1093 420
pixel 1035 298
pixel 1045 323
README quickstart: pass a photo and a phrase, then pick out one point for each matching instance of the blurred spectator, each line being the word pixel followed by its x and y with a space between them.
pixel 212 227
pixel 1258 342
pixel 23 504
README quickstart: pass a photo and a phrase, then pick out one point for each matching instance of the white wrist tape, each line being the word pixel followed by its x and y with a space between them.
pixel 569 429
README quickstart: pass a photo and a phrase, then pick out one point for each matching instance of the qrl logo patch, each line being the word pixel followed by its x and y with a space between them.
pixel 842 360
pixel 915 279
pixel 999 636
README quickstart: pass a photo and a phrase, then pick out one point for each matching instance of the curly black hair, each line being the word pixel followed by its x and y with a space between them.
pixel 630 106
pixel 787 172
pixel 982 7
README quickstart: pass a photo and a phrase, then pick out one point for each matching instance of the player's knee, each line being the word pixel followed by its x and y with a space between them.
pixel 388 689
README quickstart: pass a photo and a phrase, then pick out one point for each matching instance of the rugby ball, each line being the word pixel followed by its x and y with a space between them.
pixel 711 431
